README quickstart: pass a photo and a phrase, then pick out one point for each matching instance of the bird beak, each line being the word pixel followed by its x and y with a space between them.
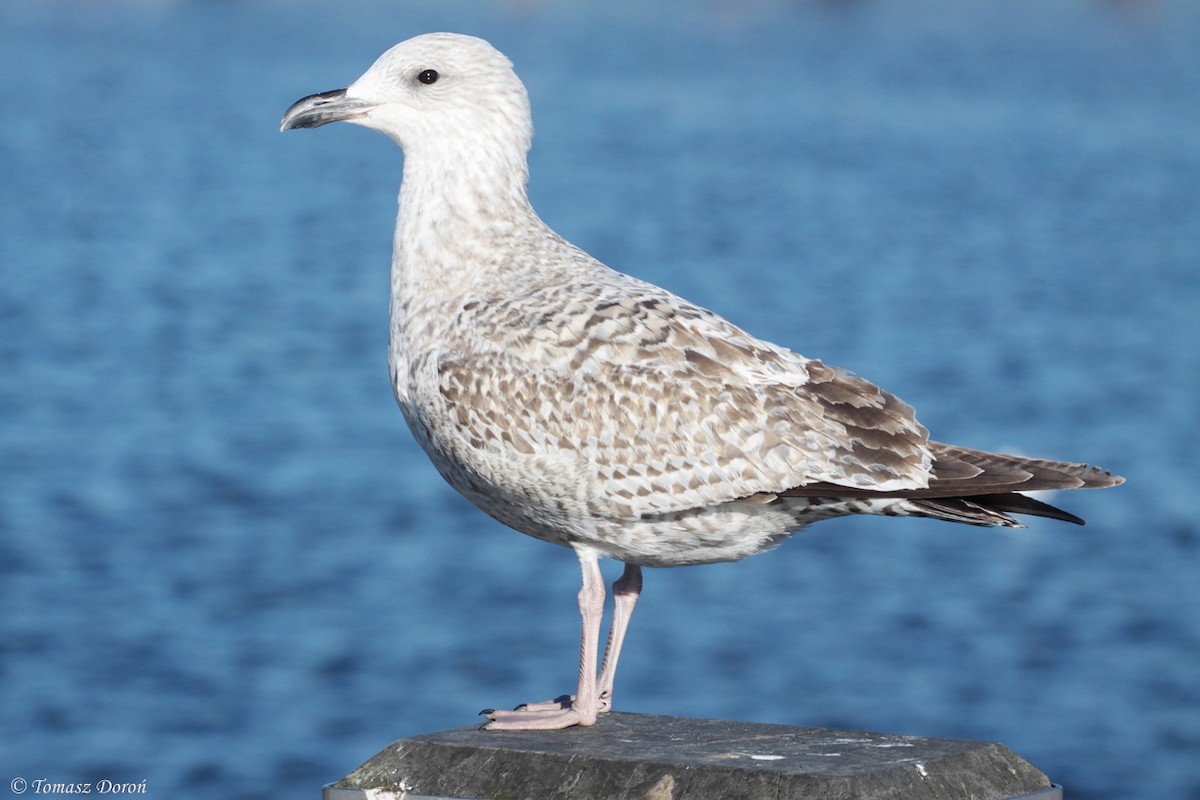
pixel 319 109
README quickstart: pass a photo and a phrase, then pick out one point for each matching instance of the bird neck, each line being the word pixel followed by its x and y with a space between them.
pixel 456 215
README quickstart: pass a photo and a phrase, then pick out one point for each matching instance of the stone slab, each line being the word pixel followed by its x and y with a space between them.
pixel 628 756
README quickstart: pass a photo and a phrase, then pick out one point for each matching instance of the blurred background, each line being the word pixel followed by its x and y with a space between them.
pixel 227 570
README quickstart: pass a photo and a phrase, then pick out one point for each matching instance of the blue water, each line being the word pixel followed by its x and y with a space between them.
pixel 225 568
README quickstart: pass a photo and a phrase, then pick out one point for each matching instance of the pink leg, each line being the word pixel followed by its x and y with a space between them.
pixel 625 596
pixel 583 709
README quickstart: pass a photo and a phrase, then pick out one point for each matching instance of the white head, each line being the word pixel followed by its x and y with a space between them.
pixel 442 91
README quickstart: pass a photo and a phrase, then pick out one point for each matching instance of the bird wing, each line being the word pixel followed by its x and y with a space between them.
pixel 963 472
pixel 649 405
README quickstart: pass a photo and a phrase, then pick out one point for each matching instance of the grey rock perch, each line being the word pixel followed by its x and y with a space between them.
pixel 634 756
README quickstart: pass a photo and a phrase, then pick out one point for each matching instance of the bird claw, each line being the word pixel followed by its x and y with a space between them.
pixel 561 712
pixel 563 701
pixel 544 719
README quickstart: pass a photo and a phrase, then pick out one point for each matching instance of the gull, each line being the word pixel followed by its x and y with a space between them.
pixel 588 408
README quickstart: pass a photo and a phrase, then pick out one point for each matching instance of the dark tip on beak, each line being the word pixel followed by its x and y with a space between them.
pixel 318 109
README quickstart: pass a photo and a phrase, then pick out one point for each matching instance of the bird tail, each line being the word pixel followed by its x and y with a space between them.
pixel 989 509
pixel 981 488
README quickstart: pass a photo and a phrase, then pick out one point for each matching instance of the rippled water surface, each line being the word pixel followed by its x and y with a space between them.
pixel 227 570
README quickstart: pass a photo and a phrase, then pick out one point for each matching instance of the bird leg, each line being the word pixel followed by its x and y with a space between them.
pixel 625 596
pixel 583 708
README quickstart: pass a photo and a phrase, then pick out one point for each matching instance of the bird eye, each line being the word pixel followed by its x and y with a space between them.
pixel 428 76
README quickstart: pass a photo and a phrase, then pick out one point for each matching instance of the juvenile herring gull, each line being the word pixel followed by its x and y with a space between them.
pixel 590 409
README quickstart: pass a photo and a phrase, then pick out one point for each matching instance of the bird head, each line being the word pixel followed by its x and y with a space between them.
pixel 433 89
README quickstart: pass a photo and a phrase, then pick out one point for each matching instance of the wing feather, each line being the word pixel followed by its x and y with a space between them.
pixel 657 406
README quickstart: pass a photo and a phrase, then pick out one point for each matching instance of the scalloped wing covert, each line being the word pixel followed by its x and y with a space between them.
pixel 652 405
